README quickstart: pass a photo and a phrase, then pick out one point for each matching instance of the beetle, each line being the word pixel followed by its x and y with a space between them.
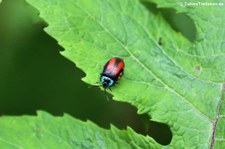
pixel 113 70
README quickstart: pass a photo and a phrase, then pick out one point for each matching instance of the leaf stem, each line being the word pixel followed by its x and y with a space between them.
pixel 217 116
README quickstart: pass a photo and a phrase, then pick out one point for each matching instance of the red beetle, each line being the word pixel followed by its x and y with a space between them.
pixel 113 71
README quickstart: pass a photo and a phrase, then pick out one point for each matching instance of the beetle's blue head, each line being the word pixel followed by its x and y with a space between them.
pixel 106 81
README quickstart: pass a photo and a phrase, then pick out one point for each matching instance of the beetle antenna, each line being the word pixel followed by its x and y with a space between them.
pixel 97 84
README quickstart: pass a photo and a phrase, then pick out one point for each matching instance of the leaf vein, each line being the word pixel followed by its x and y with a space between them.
pixel 5 141
pixel 145 67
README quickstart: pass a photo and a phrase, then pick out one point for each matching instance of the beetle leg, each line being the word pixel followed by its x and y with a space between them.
pixel 110 89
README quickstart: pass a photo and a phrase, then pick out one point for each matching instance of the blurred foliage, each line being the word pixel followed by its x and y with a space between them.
pixel 33 75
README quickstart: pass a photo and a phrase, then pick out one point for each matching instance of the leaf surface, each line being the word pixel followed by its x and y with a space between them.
pixel 178 83
pixel 45 131
pixel 207 53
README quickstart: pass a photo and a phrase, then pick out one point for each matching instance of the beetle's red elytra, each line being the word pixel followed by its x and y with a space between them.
pixel 113 70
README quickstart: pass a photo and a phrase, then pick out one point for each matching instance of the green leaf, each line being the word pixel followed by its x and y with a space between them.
pixel 46 131
pixel 179 83
pixel 208 51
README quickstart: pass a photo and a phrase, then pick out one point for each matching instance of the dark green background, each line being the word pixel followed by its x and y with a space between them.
pixel 34 76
